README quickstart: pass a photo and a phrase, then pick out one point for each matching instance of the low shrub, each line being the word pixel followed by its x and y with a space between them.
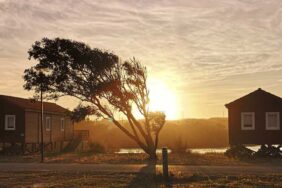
pixel 269 151
pixel 239 151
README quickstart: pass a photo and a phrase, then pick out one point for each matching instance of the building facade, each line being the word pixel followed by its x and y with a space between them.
pixel 20 123
pixel 255 119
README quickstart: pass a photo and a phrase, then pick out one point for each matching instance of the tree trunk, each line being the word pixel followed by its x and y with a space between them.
pixel 152 155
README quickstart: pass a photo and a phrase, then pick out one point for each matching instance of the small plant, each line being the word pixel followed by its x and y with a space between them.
pixel 239 151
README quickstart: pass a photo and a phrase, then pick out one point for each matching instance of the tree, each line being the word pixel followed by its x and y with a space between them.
pixel 105 86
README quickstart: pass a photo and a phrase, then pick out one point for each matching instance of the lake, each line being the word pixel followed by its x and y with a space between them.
pixel 193 150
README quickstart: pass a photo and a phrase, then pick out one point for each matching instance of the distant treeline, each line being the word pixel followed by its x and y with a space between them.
pixel 190 133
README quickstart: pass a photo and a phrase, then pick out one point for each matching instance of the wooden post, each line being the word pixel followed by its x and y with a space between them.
pixel 165 163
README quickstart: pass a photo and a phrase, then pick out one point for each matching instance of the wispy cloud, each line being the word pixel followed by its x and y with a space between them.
pixel 185 43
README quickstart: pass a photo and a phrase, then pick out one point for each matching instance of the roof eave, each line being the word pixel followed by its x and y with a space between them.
pixel 45 111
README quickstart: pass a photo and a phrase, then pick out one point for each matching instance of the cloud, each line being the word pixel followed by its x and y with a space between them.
pixel 184 43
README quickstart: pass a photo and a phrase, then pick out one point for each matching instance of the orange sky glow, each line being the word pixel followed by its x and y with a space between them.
pixel 199 54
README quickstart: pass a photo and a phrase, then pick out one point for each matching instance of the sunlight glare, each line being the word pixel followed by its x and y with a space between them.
pixel 162 98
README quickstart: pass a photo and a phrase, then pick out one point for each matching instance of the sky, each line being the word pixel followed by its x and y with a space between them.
pixel 207 52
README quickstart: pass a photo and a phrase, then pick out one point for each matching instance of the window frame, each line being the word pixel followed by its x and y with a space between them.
pixel 49 127
pixel 253 121
pixel 6 122
pixel 62 127
pixel 267 123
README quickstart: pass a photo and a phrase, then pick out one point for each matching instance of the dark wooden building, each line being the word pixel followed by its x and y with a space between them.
pixel 20 123
pixel 255 119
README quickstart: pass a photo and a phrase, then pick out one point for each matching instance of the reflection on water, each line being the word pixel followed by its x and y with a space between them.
pixel 136 150
pixel 194 150
pixel 218 150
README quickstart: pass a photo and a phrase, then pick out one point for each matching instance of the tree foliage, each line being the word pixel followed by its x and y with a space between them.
pixel 105 86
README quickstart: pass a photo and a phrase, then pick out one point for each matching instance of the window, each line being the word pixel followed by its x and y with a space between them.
pixel 272 121
pixel 48 124
pixel 62 124
pixel 248 121
pixel 10 122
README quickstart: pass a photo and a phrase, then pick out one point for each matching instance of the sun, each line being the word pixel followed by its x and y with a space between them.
pixel 162 99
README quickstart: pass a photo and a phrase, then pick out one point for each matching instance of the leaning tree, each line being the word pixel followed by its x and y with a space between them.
pixel 105 86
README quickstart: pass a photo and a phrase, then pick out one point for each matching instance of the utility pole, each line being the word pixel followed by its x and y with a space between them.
pixel 41 118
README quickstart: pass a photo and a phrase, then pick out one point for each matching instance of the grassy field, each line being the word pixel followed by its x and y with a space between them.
pixel 104 179
pixel 91 179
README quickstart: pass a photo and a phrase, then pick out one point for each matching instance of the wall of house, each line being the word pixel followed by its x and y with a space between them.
pixel 12 136
pixel 33 128
pixel 32 123
pixel 260 135
pixel 69 129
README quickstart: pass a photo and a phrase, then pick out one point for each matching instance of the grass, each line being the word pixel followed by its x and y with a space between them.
pixel 111 158
pixel 105 179
pixel 91 179
pixel 62 179
pixel 198 180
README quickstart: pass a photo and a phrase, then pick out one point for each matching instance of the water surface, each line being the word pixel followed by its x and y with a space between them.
pixel 193 150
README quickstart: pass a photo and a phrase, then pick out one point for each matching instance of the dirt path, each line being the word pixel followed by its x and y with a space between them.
pixel 206 170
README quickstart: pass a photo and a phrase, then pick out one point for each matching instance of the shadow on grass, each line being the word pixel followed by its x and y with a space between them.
pixel 149 177
pixel 146 177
